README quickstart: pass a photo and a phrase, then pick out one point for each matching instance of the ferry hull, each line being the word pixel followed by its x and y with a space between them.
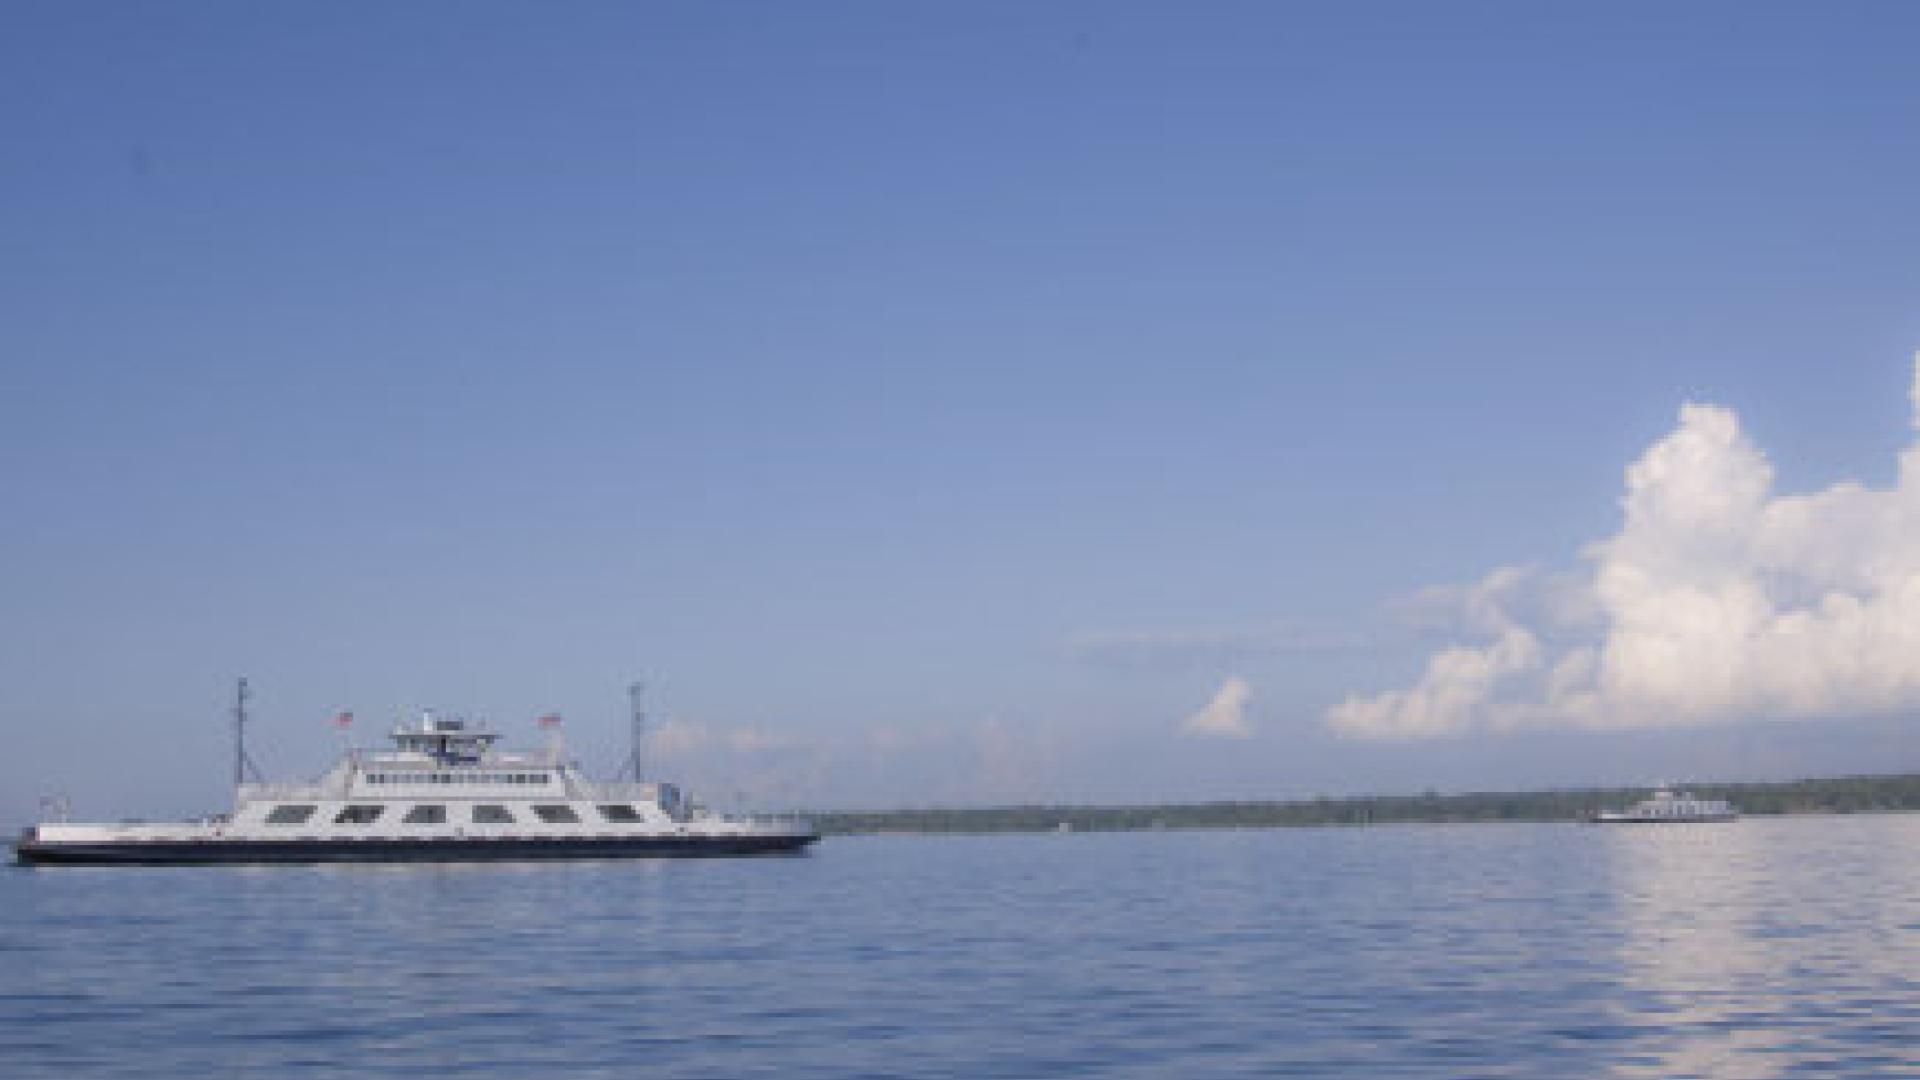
pixel 491 849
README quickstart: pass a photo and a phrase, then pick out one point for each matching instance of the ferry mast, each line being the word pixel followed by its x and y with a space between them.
pixel 242 764
pixel 639 716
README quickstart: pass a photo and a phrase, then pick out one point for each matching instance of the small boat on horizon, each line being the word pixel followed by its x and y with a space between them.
pixel 1668 806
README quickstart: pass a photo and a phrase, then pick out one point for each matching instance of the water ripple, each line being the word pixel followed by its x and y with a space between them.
pixel 1756 949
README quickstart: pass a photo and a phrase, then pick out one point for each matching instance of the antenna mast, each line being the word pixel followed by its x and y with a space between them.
pixel 634 694
pixel 242 764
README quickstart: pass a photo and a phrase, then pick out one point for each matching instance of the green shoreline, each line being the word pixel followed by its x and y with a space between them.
pixel 1840 795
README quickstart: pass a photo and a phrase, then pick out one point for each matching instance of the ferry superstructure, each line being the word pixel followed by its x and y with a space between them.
pixel 1669 807
pixel 442 793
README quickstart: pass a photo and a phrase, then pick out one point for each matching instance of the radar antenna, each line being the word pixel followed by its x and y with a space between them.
pixel 243 765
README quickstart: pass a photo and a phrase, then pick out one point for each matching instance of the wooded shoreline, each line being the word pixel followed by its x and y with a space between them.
pixel 1840 795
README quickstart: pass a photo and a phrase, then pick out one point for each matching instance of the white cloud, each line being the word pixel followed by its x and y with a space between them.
pixel 957 762
pixel 1457 687
pixel 1719 599
pixel 1511 593
pixel 755 741
pixel 675 738
pixel 1015 761
pixel 1225 716
pixel 893 738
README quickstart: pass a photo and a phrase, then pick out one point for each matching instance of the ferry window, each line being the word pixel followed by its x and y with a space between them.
pixel 289 815
pixel 556 815
pixel 426 815
pixel 619 812
pixel 491 814
pixel 358 814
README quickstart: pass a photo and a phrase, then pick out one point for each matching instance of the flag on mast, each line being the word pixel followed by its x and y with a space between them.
pixel 343 721
pixel 550 720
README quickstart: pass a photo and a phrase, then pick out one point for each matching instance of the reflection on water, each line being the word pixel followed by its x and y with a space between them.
pixel 1752 949
pixel 1767 947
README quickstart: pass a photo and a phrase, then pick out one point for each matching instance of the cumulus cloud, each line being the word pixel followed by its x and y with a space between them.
pixel 1719 599
pixel 1225 716
pixel 1458 682
pixel 1523 593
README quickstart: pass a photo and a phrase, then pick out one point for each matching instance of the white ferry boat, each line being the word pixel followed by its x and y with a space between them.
pixel 443 793
pixel 1669 806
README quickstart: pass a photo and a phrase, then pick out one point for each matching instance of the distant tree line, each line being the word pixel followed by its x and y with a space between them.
pixel 1841 795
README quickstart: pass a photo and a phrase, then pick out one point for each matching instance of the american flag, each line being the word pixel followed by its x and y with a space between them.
pixel 551 720
pixel 344 720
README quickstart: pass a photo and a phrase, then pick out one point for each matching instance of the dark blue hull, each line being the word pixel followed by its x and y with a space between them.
pixel 465 849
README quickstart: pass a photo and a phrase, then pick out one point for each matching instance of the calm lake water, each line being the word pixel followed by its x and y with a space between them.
pixel 1767 947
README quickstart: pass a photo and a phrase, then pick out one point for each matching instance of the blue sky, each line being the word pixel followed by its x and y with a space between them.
pixel 935 403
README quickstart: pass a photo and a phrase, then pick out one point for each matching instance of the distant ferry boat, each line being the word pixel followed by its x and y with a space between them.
pixel 443 793
pixel 1668 806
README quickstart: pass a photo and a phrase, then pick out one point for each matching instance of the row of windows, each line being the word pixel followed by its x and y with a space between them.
pixel 456 778
pixel 436 814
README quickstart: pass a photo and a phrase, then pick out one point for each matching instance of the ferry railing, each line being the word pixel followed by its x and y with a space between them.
pixel 312 789
pixel 370 756
pixel 617 791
